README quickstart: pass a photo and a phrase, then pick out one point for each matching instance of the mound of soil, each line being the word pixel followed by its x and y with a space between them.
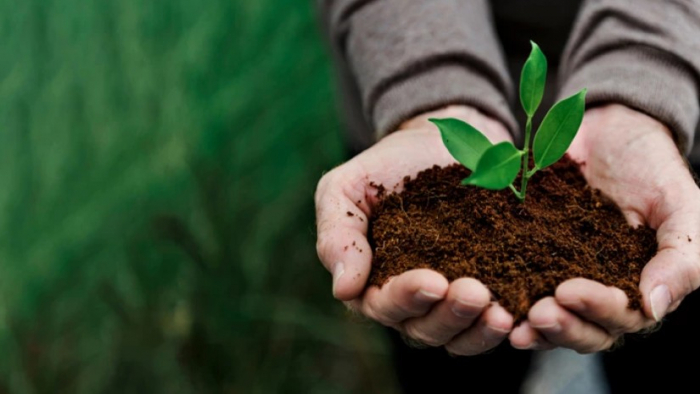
pixel 521 251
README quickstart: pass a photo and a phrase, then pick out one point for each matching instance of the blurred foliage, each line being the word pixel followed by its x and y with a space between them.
pixel 157 165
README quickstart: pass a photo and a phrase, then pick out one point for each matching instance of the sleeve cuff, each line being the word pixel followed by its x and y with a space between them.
pixel 645 79
pixel 435 88
pixel 412 56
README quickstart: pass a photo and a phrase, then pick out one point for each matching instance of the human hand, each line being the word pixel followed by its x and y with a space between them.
pixel 632 159
pixel 420 303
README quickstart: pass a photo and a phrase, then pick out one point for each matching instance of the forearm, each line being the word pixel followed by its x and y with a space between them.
pixel 643 54
pixel 409 57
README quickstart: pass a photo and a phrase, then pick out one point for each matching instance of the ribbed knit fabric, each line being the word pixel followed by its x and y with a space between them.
pixel 644 54
pixel 410 56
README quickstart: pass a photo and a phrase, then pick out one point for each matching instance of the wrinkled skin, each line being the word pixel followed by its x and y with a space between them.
pixel 629 156
pixel 633 159
pixel 420 303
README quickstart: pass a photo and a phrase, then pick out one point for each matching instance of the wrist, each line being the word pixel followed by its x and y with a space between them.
pixel 616 128
pixel 493 129
pixel 627 122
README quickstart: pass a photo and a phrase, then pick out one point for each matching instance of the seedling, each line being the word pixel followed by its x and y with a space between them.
pixel 496 167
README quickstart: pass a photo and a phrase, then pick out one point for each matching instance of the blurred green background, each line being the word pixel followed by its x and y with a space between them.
pixel 157 165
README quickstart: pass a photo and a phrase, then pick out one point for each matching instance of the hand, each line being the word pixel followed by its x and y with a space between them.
pixel 632 159
pixel 420 303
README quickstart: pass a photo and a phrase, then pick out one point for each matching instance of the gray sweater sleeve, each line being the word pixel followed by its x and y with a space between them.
pixel 413 56
pixel 644 54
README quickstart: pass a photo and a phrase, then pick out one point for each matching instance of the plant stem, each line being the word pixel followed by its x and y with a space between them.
pixel 516 192
pixel 526 160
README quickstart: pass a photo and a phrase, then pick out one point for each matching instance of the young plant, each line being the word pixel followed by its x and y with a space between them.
pixel 496 167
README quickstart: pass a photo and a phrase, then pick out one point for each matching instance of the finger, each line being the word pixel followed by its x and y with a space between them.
pixel 666 280
pixel 466 299
pixel 408 295
pixel 562 328
pixel 524 337
pixel 492 328
pixel 341 220
pixel 603 305
pixel 675 270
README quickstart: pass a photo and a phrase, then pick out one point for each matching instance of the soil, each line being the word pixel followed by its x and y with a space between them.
pixel 520 251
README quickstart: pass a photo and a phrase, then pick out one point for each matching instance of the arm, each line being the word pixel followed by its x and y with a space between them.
pixel 420 303
pixel 410 60
pixel 644 55
pixel 407 57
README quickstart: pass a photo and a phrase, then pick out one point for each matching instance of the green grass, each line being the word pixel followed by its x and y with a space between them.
pixel 157 165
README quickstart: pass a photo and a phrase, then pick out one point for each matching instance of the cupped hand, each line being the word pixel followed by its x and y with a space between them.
pixel 420 303
pixel 631 158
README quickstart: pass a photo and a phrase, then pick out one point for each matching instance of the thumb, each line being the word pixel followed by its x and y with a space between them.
pixel 675 270
pixel 342 219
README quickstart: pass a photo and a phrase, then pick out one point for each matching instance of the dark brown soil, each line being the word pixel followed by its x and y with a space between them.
pixel 521 251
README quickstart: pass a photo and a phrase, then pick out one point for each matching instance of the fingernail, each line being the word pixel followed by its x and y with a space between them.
pixel 530 346
pixel 338 271
pixel 465 309
pixel 494 332
pixel 660 298
pixel 553 329
pixel 426 296
pixel 576 305
pixel 534 345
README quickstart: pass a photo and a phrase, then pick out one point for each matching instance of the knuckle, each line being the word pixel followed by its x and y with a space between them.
pixel 595 343
pixel 455 350
pixel 324 246
pixel 604 344
pixel 377 313
pixel 607 343
pixel 588 349
pixel 335 177
pixel 458 348
pixel 320 191
pixel 620 300
pixel 401 306
pixel 692 279
pixel 325 181
pixel 610 321
pixel 471 345
pixel 570 326
pixel 368 310
pixel 573 334
pixel 617 323
pixel 648 327
pixel 397 313
pixel 324 186
pixel 421 336
pixel 629 325
pixel 411 342
pixel 406 307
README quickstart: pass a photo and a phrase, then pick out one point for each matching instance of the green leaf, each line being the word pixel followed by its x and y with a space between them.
pixel 463 141
pixel 532 80
pixel 497 168
pixel 558 129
